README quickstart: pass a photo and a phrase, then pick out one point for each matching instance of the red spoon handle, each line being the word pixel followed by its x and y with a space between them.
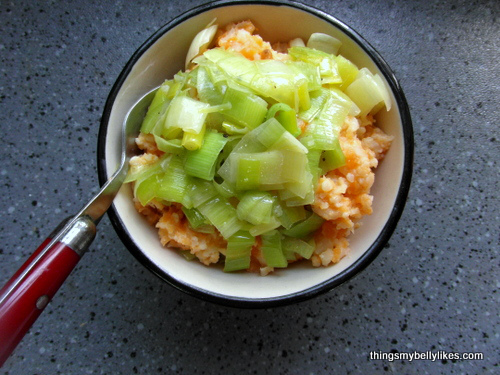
pixel 23 306
pixel 27 293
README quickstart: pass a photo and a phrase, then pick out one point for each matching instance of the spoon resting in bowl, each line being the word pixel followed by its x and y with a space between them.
pixel 29 290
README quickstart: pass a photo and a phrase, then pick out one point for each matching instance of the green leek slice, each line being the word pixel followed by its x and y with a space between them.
pixel 238 252
pixel 292 246
pixel 240 165
pixel 268 133
pixel 247 109
pixel 286 116
pixel 267 158
pixel 279 81
pixel 295 168
pixel 270 162
pixel 347 70
pixel 318 100
pixel 299 193
pixel 193 141
pixel 332 159
pixel 233 129
pixel 224 189
pixel 287 142
pixel 247 171
pixel 272 251
pixel 288 215
pixel 297 201
pixel 324 42
pixel 200 42
pixel 263 228
pixel 308 71
pixel 271 79
pixel 384 91
pixel 368 92
pixel 208 91
pixel 323 130
pixel 185 113
pixel 305 227
pixel 157 108
pixel 233 65
pixel 174 183
pixel 195 218
pixel 326 62
pixel 314 157
pixel 187 255
pixel 202 162
pixel 145 189
pixel 172 146
pixel 255 207
pixel 221 215
pixel 201 191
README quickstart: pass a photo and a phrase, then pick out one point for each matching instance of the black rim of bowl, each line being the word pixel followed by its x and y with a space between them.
pixel 361 263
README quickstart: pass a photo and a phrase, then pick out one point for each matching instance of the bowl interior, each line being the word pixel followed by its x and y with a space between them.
pixel 160 58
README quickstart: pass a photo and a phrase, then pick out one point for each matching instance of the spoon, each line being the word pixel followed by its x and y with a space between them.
pixel 31 288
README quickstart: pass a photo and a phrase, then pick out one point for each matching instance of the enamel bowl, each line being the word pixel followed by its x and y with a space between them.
pixel 160 57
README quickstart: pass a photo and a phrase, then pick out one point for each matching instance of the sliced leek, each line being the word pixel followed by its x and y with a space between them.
pixel 201 42
pixel 324 42
pixel 272 250
pixel 369 93
pixel 238 252
pixel 201 162
pixel 234 156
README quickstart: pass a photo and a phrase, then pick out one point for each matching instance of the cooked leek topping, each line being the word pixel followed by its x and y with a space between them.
pixel 368 92
pixel 195 218
pixel 174 183
pixel 222 215
pixel 347 70
pixel 286 116
pixel 157 108
pixel 235 156
pixel 305 227
pixel 256 207
pixel 239 248
pixel 201 161
pixel 201 42
pixel 324 42
pixel 326 63
pixel 146 189
pixel 272 251
pixel 295 246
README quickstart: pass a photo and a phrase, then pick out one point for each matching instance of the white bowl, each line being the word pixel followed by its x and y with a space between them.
pixel 160 57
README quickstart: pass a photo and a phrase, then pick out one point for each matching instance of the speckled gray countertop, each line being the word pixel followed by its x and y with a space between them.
pixel 433 288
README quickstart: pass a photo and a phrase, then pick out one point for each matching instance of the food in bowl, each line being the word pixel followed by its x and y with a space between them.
pixel 259 156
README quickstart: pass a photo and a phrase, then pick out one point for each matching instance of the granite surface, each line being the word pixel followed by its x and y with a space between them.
pixel 433 288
